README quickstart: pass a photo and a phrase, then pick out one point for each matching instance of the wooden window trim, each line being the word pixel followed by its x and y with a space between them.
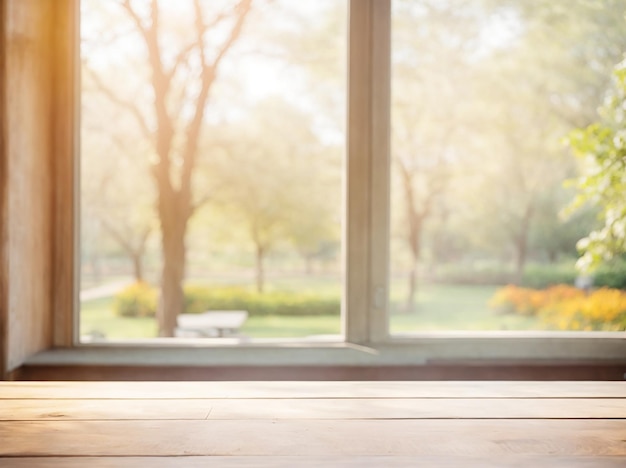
pixel 365 321
pixel 65 171
pixel 366 237
pixel 4 214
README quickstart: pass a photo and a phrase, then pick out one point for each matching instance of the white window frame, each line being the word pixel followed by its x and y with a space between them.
pixel 365 318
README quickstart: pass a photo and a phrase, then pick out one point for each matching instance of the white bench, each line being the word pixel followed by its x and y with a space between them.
pixel 211 323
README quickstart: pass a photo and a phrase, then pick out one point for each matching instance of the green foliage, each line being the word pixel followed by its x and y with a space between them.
pixel 602 150
pixel 200 299
pixel 469 274
pixel 136 300
pixel 535 275
pixel 611 275
pixel 541 276
pixel 140 300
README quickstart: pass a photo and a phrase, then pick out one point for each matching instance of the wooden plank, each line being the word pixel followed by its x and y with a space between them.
pixel 438 438
pixel 28 62
pixel 56 410
pixel 4 200
pixel 317 461
pixel 418 409
pixel 65 149
pixel 304 372
pixel 352 389
pixel 242 409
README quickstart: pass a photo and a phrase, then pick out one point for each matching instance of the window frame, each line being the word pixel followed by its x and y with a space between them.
pixel 365 323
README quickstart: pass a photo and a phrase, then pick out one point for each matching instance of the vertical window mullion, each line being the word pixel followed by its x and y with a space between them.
pixel 65 159
pixel 366 240
pixel 380 168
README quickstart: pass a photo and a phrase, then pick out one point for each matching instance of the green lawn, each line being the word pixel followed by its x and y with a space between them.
pixel 445 307
pixel 438 308
pixel 97 316
pixel 289 327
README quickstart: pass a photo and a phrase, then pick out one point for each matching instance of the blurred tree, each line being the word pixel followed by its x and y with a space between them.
pixel 548 78
pixel 279 182
pixel 122 206
pixel 117 199
pixel 554 234
pixel 184 51
pixel 602 150
pixel 434 44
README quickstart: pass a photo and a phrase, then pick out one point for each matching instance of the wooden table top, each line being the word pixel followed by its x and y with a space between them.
pixel 311 424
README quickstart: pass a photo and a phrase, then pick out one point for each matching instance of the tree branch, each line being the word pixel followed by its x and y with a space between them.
pixel 180 58
pixel 201 201
pixel 118 236
pixel 208 77
pixel 241 10
pixel 123 103
pixel 135 18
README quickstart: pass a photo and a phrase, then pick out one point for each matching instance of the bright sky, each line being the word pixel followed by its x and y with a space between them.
pixel 252 76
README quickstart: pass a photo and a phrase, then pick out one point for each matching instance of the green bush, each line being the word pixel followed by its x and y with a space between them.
pixel 136 300
pixel 200 299
pixel 471 274
pixel 538 276
pixel 611 275
pixel 140 300
pixel 542 276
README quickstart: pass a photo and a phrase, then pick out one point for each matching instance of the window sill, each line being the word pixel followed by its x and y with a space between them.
pixel 415 349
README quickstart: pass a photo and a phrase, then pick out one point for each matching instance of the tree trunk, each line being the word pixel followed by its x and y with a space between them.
pixel 137 266
pixel 171 300
pixel 175 204
pixel 520 259
pixel 260 273
pixel 521 245
pixel 410 299
pixel 553 256
pixel 96 269
pixel 415 246
pixel 415 218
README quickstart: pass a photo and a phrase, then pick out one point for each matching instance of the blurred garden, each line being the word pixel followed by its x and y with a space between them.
pixel 213 165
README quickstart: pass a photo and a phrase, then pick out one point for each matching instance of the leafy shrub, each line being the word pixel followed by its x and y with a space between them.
pixel 541 276
pixel 200 299
pixel 136 300
pixel 537 276
pixel 140 300
pixel 611 275
pixel 470 274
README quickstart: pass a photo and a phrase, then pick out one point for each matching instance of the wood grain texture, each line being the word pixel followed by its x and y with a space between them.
pixel 4 201
pixel 462 437
pixel 282 424
pixel 315 462
pixel 388 390
pixel 65 129
pixel 363 408
pixel 581 371
pixel 28 107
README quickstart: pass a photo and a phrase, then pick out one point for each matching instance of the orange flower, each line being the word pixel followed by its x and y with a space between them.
pixel 564 307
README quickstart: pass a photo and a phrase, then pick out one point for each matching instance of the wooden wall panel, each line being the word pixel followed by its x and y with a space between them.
pixel 28 214
pixel 4 193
